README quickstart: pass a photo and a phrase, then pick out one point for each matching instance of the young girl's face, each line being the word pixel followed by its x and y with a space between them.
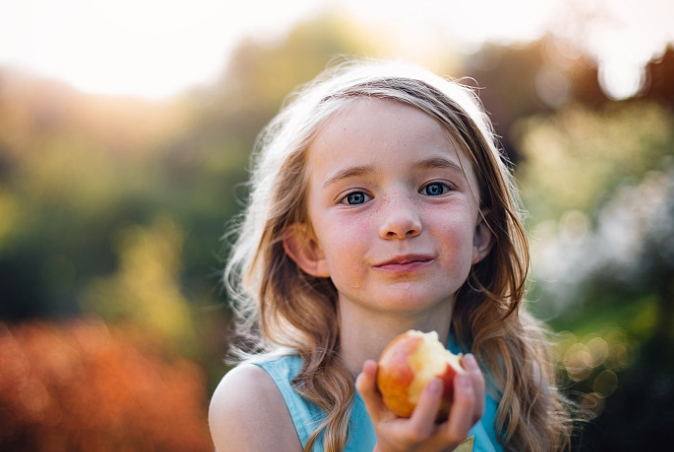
pixel 394 209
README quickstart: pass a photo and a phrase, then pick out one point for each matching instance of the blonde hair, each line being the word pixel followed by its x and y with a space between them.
pixel 278 305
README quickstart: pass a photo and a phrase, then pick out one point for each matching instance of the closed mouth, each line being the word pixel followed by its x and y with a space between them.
pixel 405 260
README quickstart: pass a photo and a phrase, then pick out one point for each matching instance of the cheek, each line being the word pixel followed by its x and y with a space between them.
pixel 457 235
pixel 344 242
pixel 344 238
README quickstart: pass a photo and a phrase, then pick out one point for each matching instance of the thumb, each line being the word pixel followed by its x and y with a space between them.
pixel 366 384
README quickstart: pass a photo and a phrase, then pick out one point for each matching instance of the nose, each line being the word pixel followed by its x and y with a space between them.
pixel 399 219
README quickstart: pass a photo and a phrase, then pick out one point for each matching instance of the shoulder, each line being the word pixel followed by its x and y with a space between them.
pixel 244 400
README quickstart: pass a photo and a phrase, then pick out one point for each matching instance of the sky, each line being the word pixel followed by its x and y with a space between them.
pixel 157 48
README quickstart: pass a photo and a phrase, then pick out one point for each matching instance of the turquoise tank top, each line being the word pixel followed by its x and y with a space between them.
pixel 307 416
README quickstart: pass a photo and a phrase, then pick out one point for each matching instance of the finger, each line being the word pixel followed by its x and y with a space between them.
pixel 366 384
pixel 461 416
pixel 422 421
pixel 477 379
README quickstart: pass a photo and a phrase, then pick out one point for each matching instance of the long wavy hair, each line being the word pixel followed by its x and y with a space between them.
pixel 279 306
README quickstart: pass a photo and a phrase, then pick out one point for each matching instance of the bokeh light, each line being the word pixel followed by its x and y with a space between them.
pixel 81 385
pixel 125 136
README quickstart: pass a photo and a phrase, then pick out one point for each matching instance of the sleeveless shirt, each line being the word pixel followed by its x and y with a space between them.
pixel 307 416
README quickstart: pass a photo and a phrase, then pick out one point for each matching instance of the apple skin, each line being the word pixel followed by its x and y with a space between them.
pixel 408 363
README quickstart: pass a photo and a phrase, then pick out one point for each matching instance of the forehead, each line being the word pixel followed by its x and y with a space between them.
pixel 381 129
pixel 366 116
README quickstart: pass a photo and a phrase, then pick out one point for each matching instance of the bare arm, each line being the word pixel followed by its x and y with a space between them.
pixel 247 413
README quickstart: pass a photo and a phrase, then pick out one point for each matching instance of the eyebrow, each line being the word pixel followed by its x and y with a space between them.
pixel 364 170
pixel 438 162
pixel 356 171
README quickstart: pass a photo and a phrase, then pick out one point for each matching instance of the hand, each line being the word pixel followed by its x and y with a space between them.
pixel 420 433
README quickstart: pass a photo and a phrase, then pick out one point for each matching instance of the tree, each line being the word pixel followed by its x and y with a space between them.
pixel 520 81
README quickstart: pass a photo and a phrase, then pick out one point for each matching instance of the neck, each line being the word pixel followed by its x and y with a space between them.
pixel 364 335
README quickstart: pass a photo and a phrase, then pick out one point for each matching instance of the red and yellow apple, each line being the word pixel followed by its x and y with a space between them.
pixel 408 363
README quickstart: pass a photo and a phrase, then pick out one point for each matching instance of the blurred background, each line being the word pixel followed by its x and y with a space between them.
pixel 125 131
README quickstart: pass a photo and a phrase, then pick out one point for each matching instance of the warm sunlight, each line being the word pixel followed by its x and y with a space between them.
pixel 137 146
pixel 157 49
pixel 149 47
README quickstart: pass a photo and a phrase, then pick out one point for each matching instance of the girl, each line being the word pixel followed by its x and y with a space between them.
pixel 380 204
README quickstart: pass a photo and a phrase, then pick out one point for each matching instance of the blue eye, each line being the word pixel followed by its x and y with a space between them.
pixel 434 189
pixel 355 198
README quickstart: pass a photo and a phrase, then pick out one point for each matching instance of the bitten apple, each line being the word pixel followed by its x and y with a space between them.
pixel 408 363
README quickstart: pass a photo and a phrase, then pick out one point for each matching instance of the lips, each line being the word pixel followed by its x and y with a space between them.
pixel 407 261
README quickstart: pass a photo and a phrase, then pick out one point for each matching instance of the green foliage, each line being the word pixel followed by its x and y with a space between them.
pixel 118 205
pixel 146 287
pixel 636 319
pixel 602 181
pixel 531 79
pixel 576 158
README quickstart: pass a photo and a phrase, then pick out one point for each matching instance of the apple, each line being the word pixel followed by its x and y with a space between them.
pixel 408 363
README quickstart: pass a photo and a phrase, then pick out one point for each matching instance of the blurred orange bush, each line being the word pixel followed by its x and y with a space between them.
pixel 84 386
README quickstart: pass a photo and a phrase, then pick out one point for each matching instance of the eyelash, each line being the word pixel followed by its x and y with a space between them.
pixel 363 197
pixel 445 188
pixel 345 199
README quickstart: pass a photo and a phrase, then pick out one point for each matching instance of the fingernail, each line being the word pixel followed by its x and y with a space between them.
pixel 470 362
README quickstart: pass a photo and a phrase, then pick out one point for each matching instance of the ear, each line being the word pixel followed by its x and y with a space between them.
pixel 483 241
pixel 302 247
